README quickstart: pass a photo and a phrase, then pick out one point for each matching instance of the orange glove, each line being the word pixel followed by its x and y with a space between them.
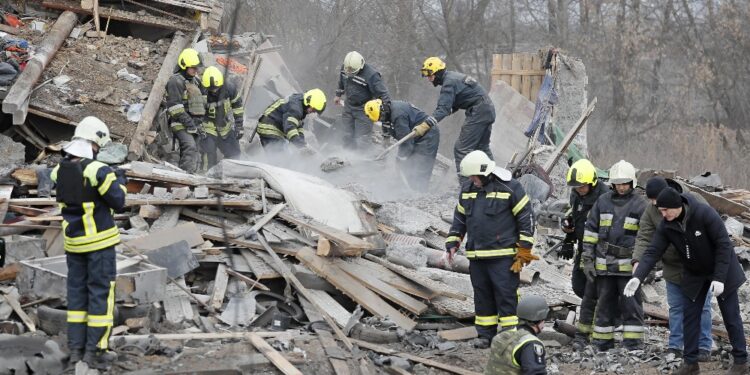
pixel 523 257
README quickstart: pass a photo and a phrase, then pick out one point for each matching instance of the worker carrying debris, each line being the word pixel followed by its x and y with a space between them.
pixel 224 117
pixel 416 157
pixel 358 83
pixel 672 271
pixel 520 351
pixel 585 191
pixel 608 242
pixel 89 191
pixel 460 91
pixel 186 107
pixel 494 212
pixel 709 265
pixel 282 122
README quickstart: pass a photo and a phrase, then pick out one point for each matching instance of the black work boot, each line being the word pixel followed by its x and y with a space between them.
pixel 603 345
pixel 738 369
pixel 688 369
pixel 481 343
pixel 75 356
pixel 579 342
pixel 704 355
pixel 100 359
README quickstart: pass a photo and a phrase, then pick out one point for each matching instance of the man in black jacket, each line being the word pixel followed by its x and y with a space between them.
pixel 709 263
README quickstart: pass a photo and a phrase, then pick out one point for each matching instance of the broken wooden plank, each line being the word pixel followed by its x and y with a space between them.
pixel 215 234
pixel 258 266
pixel 385 290
pixel 5 192
pixel 350 244
pixel 353 288
pixel 220 287
pixel 438 287
pixel 26 211
pixel 129 202
pixel 563 145
pixel 260 223
pixel 277 359
pixel 177 307
pixel 250 282
pixel 200 336
pixel 16 306
pixel 336 356
pixel 8 29
pixel 458 334
pixel 720 204
pixel 137 143
pixel 339 314
pixel 397 281
pixel 186 231
pixel 207 219
pixel 414 358
pixel 121 15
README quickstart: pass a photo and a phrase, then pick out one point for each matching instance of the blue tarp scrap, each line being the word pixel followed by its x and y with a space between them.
pixel 545 100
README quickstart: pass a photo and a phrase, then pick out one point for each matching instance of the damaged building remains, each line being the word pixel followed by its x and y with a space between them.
pixel 305 253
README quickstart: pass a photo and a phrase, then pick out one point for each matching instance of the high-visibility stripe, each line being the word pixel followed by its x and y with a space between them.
pixel 526 238
pixel 85 240
pixel 484 321
pixel 268 129
pixel 104 341
pixel 460 209
pixel 591 239
pixel 453 239
pixel 498 195
pixel 77 316
pixel 628 328
pixel 468 195
pixel 631 223
pixel 523 342
pixel 107 183
pixel 603 336
pixel 292 133
pixel 273 106
pixel 89 225
pixel 585 328
pixel 238 111
pixel 176 109
pixel 490 253
pixel 293 120
pixel 601 329
pixel 506 321
pixel 520 205
pixel 99 321
pixel 601 264
pixel 605 220
pixel 123 188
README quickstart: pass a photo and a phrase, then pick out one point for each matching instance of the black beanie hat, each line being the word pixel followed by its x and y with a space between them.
pixel 669 198
pixel 654 186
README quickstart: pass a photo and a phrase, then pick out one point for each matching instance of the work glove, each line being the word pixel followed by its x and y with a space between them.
pixel 567 225
pixel 337 100
pixel 589 269
pixel 421 129
pixel 120 173
pixel 631 287
pixel 447 258
pixel 523 257
pixel 239 131
pixel 191 129
pixel 567 251
pixel 716 288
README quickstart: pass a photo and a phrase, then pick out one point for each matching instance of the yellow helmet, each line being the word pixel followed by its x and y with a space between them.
pixel 431 66
pixel 212 77
pixel 373 108
pixel 188 59
pixel 315 99
pixel 582 172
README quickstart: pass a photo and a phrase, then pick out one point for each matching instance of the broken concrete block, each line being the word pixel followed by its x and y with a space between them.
pixel 161 192
pixel 240 311
pixel 200 192
pixel 137 323
pixel 140 167
pixel 146 188
pixel 12 154
pixel 169 218
pixel 140 283
pixel 148 211
pixel 177 258
pixel 113 153
pixel 36 355
pixel 181 193
pixel 136 64
pixel 138 223
pixel 18 248
pixel 649 294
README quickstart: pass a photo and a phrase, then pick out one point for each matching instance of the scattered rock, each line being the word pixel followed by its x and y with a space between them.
pixel 113 153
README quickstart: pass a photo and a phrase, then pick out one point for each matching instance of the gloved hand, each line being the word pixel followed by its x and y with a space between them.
pixel 589 269
pixel 716 288
pixel 567 225
pixel 337 100
pixel 239 131
pixel 631 287
pixel 191 129
pixel 120 173
pixel 447 258
pixel 567 251
pixel 421 129
pixel 523 257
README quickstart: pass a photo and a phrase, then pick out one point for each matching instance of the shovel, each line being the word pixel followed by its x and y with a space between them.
pixel 400 141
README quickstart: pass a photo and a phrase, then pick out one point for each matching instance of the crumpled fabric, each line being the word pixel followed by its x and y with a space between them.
pixel 545 100
pixel 8 74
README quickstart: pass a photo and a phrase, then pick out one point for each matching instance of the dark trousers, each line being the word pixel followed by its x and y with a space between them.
pixel 189 156
pixel 495 295
pixel 229 147
pixel 273 145
pixel 588 310
pixel 610 305
pixel 91 298
pixel 417 167
pixel 475 133
pixel 356 127
pixel 729 304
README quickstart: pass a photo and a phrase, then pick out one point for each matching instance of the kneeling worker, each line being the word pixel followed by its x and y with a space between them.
pixel 416 156
pixel 224 117
pixel 281 122
pixel 520 351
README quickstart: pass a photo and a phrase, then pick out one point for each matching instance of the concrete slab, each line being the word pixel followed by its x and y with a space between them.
pixel 47 277
pixel 240 311
pixel 177 258
pixel 513 113
pixel 18 248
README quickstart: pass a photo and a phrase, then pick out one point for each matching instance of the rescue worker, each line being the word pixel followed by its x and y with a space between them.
pixel 186 108
pixel 520 351
pixel 585 191
pixel 709 265
pixel 359 83
pixel 282 121
pixel 416 157
pixel 224 117
pixel 608 242
pixel 672 270
pixel 495 215
pixel 88 192
pixel 460 91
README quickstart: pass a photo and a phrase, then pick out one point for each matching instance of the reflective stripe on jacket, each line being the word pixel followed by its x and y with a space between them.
pixel 284 119
pixel 225 111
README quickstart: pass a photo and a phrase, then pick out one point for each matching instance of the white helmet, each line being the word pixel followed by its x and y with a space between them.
pixel 476 163
pixel 353 62
pixel 94 130
pixel 622 172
